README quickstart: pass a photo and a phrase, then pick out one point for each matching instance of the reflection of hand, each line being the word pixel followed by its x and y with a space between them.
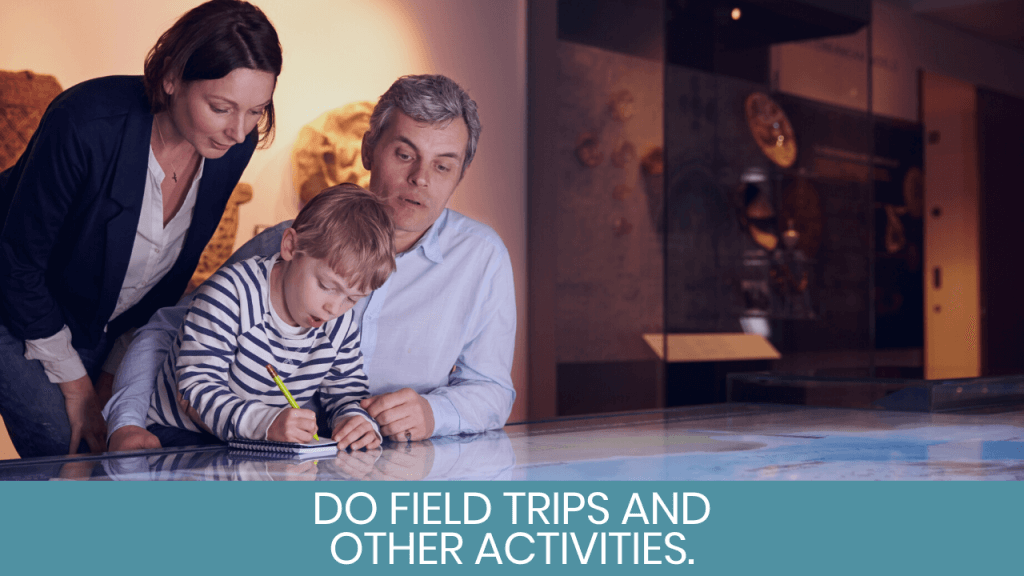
pixel 355 432
pixel 403 415
pixel 133 438
pixel 409 461
pixel 84 415
pixel 303 471
pixel 293 425
pixel 80 470
pixel 357 464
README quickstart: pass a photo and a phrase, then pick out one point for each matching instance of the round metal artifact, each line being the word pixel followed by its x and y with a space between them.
pixel 771 129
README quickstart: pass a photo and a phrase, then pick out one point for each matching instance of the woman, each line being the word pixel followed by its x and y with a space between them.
pixel 106 213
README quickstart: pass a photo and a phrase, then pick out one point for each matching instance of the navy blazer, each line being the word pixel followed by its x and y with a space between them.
pixel 69 212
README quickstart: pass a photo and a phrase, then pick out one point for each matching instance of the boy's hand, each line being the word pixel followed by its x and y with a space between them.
pixel 403 415
pixel 293 425
pixel 355 432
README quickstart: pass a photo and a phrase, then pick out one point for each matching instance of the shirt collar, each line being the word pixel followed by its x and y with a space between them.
pixel 430 241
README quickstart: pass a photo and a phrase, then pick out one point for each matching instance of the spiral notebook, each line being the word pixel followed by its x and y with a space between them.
pixel 269 448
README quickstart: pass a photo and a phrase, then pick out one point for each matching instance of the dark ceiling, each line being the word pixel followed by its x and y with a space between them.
pixel 1000 21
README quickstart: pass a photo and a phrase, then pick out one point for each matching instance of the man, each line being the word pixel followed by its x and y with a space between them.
pixel 438 336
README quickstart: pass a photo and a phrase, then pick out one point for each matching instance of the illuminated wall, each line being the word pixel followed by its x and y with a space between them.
pixel 336 51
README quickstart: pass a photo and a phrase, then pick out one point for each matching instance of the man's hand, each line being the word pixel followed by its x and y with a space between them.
pixel 133 438
pixel 411 462
pixel 403 415
pixel 84 415
pixel 355 432
pixel 358 464
pixel 293 425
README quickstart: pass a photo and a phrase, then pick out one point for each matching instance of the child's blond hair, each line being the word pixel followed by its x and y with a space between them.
pixel 350 229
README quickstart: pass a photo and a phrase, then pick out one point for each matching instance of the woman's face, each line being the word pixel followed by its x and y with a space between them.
pixel 214 115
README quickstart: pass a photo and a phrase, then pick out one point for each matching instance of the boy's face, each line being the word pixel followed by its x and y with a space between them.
pixel 309 292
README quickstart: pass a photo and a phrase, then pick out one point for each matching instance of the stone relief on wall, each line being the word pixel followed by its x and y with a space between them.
pixel 222 244
pixel 327 151
pixel 24 97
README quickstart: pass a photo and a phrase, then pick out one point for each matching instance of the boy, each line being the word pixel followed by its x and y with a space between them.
pixel 292 311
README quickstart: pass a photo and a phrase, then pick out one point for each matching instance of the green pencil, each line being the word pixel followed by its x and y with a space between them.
pixel 284 390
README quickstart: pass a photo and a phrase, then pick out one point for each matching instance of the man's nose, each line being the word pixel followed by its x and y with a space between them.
pixel 418 174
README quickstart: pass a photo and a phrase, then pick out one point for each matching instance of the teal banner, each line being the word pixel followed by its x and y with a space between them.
pixel 523 528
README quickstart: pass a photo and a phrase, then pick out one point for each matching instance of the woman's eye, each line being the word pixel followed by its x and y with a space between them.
pixel 218 110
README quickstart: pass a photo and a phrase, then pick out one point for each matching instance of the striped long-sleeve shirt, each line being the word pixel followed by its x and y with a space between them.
pixel 218 361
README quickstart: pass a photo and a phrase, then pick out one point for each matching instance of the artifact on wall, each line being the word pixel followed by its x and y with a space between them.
pixel 620 106
pixel 653 171
pixel 624 155
pixel 771 129
pixel 24 97
pixel 653 162
pixel 222 245
pixel 588 150
pixel 327 151
pixel 757 214
pixel 800 209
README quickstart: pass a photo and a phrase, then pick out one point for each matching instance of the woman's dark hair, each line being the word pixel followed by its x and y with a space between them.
pixel 207 43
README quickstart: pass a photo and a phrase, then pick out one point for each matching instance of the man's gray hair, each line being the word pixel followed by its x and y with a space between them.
pixel 430 98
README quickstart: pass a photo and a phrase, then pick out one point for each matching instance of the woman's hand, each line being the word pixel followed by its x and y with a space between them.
pixel 83 409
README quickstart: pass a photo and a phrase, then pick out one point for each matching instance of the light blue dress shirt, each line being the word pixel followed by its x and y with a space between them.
pixel 443 324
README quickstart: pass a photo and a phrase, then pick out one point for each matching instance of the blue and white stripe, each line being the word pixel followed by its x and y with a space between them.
pixel 218 361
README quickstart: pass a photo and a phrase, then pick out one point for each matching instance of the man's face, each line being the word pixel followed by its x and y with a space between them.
pixel 416 166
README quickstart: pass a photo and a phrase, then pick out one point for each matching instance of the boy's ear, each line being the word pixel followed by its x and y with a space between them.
pixel 288 241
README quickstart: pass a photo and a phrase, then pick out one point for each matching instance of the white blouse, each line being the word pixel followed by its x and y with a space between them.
pixel 154 252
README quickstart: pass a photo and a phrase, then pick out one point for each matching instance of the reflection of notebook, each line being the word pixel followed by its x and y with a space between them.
pixel 269 448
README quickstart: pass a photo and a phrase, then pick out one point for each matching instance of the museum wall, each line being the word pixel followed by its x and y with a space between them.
pixel 849 305
pixel 336 52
